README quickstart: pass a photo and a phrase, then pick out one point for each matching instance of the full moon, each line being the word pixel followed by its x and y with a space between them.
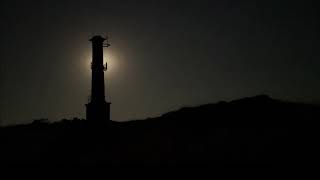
pixel 109 57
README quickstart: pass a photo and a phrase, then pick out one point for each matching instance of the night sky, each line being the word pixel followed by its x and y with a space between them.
pixel 163 55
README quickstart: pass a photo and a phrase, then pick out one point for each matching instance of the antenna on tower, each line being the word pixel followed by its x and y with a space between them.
pixel 107 44
pixel 105 67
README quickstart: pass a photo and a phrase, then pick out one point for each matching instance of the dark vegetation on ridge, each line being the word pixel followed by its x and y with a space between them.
pixel 257 131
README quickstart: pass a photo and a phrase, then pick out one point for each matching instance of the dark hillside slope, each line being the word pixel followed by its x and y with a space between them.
pixel 252 131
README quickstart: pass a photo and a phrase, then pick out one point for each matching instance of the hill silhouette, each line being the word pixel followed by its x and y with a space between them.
pixel 254 131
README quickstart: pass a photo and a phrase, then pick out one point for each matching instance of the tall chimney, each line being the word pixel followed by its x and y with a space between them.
pixel 97 109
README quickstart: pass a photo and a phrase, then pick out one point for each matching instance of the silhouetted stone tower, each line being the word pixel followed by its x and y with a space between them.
pixel 98 109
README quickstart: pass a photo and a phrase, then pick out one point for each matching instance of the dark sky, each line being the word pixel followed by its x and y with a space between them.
pixel 164 55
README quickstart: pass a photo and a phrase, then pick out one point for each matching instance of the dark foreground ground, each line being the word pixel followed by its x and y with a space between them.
pixel 257 132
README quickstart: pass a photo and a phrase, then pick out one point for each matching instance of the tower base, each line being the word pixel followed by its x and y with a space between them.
pixel 98 111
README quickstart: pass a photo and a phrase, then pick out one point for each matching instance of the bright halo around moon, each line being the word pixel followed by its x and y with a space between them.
pixel 111 60
pixel 108 57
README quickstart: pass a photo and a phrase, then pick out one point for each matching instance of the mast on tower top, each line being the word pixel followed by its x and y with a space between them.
pixel 107 44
